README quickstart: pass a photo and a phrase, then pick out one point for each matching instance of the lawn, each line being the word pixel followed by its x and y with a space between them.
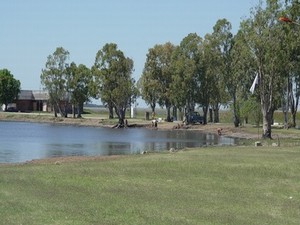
pixel 214 185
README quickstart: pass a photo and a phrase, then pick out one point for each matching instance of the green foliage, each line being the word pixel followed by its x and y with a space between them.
pixel 250 108
pixel 53 77
pixel 189 79
pixel 265 46
pixel 218 61
pixel 221 67
pixel 112 71
pixel 9 87
pixel 157 77
pixel 78 80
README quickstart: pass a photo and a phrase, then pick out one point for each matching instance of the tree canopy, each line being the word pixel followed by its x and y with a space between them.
pixel 9 87
pixel 205 72
pixel 53 77
pixel 157 75
pixel 78 80
pixel 113 71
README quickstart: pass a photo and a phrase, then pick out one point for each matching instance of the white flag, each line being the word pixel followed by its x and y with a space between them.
pixel 255 82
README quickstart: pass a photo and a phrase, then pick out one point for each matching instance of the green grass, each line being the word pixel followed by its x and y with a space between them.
pixel 224 185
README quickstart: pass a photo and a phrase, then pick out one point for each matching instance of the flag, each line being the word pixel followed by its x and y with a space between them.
pixel 255 82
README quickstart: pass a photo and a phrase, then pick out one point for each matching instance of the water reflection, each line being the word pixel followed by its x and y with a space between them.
pixel 26 141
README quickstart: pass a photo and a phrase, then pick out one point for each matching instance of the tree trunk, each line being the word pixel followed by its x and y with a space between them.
pixel 79 110
pixel 111 111
pixel 210 115
pixel 266 100
pixel 181 114
pixel 236 117
pixel 236 120
pixel 205 110
pixel 121 123
pixel 55 110
pixel 293 112
pixel 187 113
pixel 294 120
pixel 152 108
pixel 285 119
pixel 168 114
pixel 285 99
pixel 294 106
pixel 216 114
pixel 174 113
pixel 65 110
pixel 59 110
pixel 73 110
pixel 267 122
pixel 121 115
pixel 245 120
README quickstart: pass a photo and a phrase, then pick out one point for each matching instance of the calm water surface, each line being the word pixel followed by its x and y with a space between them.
pixel 20 142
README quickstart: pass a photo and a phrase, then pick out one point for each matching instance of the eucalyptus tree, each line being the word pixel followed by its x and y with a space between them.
pixel 291 47
pixel 78 80
pixel 188 81
pixel 116 86
pixel 9 87
pixel 229 81
pixel 53 78
pixel 217 51
pixel 263 39
pixel 211 80
pixel 180 82
pixel 242 75
pixel 157 77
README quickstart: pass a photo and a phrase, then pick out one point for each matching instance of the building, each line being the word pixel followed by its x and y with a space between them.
pixel 29 100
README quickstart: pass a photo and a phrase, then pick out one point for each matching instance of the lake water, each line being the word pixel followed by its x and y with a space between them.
pixel 21 141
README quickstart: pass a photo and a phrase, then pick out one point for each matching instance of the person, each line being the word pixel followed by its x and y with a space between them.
pixel 154 123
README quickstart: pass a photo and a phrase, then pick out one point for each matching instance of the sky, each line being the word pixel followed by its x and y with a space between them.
pixel 32 29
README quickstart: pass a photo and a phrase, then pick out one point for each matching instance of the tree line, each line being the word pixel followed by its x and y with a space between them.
pixel 256 70
pixel 109 79
pixel 221 68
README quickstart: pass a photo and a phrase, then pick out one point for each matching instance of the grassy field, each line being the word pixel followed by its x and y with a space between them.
pixel 215 185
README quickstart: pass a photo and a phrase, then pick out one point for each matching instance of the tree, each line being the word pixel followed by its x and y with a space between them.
pixel 218 66
pixel 243 72
pixel 116 87
pixel 226 82
pixel 291 48
pixel 78 82
pixel 263 41
pixel 9 87
pixel 53 77
pixel 157 77
pixel 210 79
pixel 188 83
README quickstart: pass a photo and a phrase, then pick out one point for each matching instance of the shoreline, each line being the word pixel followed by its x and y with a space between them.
pixel 227 130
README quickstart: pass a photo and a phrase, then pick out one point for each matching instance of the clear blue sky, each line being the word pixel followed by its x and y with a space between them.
pixel 32 29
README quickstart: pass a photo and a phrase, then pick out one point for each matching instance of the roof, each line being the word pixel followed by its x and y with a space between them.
pixel 33 95
pixel 25 95
pixel 40 95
